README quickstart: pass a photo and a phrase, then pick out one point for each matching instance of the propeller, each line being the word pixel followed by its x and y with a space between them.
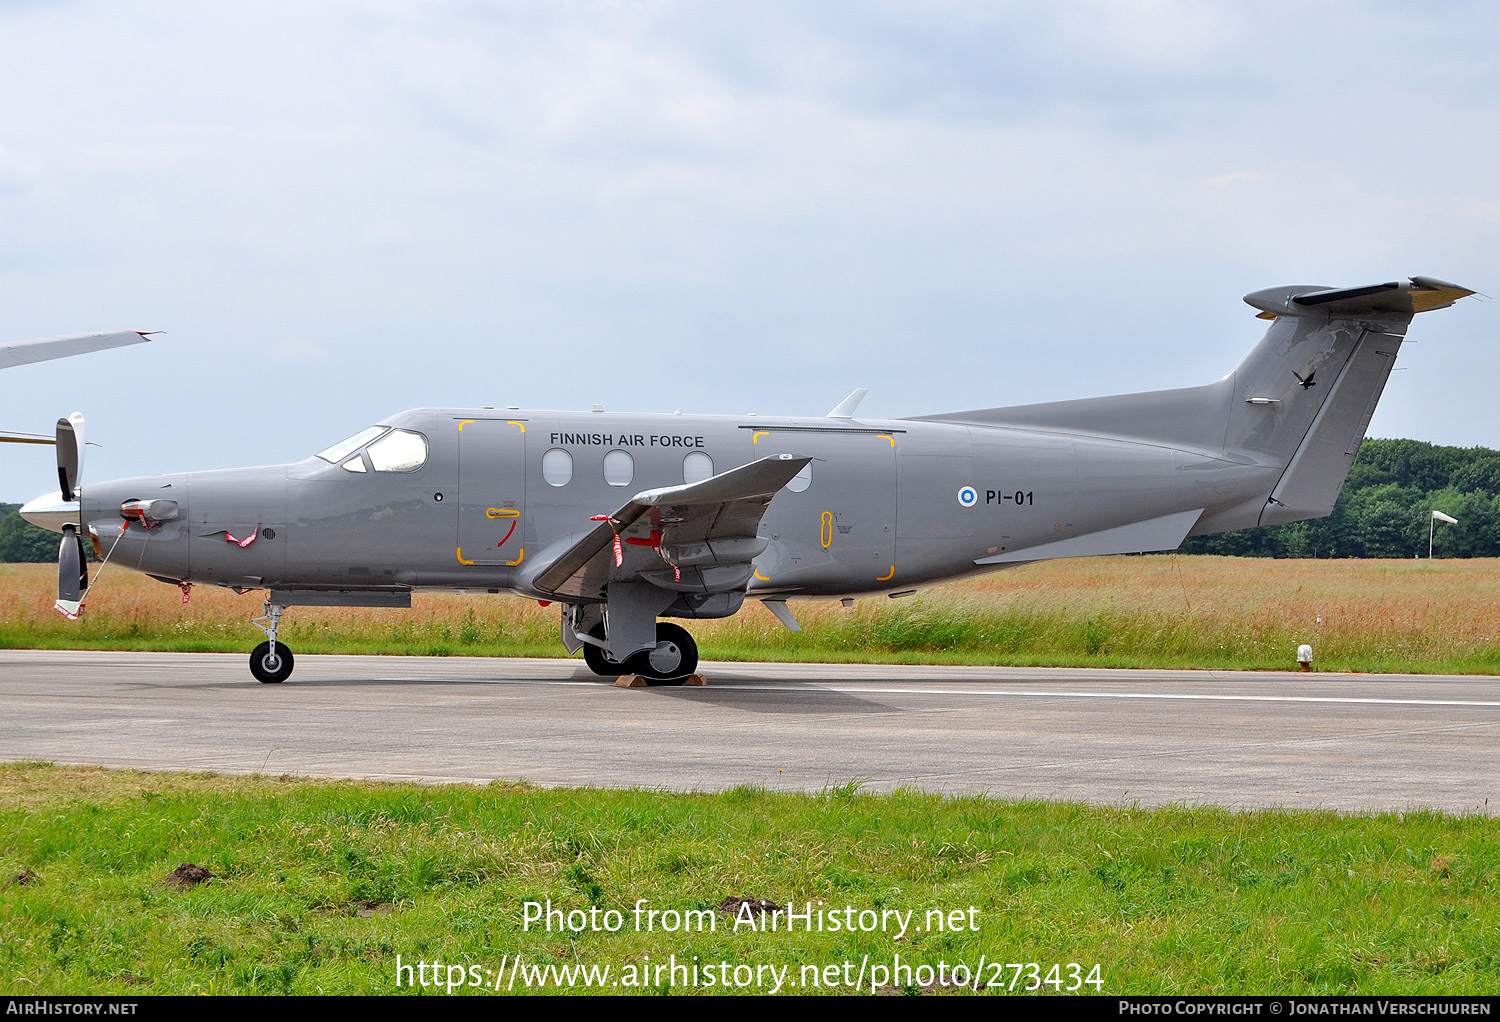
pixel 69 454
pixel 72 571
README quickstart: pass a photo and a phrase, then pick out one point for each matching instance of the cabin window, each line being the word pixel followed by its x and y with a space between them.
pixel 341 450
pixel 697 467
pixel 802 480
pixel 619 468
pixel 557 467
pixel 399 451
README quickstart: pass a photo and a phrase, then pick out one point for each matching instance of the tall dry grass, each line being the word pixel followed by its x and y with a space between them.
pixel 1164 610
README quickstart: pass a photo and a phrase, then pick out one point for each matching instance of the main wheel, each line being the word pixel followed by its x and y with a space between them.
pixel 271 668
pixel 597 660
pixel 674 658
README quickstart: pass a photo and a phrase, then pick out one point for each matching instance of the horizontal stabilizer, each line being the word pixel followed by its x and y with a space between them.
pixel 1419 294
pixel 1164 533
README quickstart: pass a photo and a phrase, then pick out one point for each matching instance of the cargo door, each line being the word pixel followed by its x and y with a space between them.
pixel 491 491
pixel 833 527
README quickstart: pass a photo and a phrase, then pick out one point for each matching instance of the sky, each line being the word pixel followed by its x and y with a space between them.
pixel 338 210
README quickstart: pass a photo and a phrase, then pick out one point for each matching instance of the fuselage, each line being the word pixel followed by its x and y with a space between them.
pixel 488 497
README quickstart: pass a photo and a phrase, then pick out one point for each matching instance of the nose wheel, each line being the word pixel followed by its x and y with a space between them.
pixel 271 661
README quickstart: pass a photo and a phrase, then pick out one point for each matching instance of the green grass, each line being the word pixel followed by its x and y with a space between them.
pixel 1165 901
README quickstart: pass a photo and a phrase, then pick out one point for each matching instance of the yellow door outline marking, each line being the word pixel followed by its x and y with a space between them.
pixel 887 578
pixel 890 438
pixel 464 422
pixel 510 564
pixel 760 576
pixel 755 439
pixel 513 422
pixel 825 534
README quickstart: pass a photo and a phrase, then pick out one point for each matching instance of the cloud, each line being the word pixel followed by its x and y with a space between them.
pixel 1234 179
pixel 295 349
pixel 766 204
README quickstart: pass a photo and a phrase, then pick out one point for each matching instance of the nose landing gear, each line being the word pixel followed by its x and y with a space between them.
pixel 270 662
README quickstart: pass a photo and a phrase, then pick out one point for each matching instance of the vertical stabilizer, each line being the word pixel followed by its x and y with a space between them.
pixel 1304 396
pixel 1289 419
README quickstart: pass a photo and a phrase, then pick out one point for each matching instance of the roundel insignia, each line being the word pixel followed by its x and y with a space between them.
pixel 968 496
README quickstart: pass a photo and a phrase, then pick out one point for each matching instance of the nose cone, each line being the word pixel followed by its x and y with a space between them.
pixel 51 512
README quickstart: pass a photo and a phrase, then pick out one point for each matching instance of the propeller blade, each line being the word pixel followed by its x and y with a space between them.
pixel 70 455
pixel 72 573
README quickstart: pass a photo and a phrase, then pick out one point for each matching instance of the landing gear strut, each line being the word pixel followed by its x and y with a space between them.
pixel 271 661
pixel 598 660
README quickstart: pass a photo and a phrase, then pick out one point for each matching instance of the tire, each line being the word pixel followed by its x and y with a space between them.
pixel 671 662
pixel 268 669
pixel 596 659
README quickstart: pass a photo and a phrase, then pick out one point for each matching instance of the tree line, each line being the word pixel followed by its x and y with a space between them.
pixel 1383 511
pixel 1386 506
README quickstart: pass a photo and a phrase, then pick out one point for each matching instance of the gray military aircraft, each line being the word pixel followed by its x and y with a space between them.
pixel 623 519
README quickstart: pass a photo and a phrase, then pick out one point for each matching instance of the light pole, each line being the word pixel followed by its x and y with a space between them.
pixel 1437 516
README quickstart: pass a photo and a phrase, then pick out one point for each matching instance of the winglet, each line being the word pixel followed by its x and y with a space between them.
pixel 845 409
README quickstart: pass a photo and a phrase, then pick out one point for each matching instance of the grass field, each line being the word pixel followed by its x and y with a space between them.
pixel 318 886
pixel 1154 611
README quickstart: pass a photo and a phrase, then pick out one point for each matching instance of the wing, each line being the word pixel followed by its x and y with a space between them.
pixel 8 437
pixel 42 349
pixel 16 353
pixel 695 538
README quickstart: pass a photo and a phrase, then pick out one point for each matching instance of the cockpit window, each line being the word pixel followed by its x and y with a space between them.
pixel 339 451
pixel 355 464
pixel 399 451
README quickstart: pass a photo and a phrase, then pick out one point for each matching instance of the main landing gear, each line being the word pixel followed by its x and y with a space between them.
pixel 671 662
pixel 271 662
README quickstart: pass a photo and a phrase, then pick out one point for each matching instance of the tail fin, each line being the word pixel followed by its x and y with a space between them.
pixel 1304 396
pixel 1296 409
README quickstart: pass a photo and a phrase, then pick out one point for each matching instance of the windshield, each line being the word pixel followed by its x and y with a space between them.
pixel 344 448
pixel 399 451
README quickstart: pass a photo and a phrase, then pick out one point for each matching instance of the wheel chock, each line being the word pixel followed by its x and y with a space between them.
pixel 636 681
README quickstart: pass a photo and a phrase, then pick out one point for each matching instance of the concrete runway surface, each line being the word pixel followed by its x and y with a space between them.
pixel 1344 742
